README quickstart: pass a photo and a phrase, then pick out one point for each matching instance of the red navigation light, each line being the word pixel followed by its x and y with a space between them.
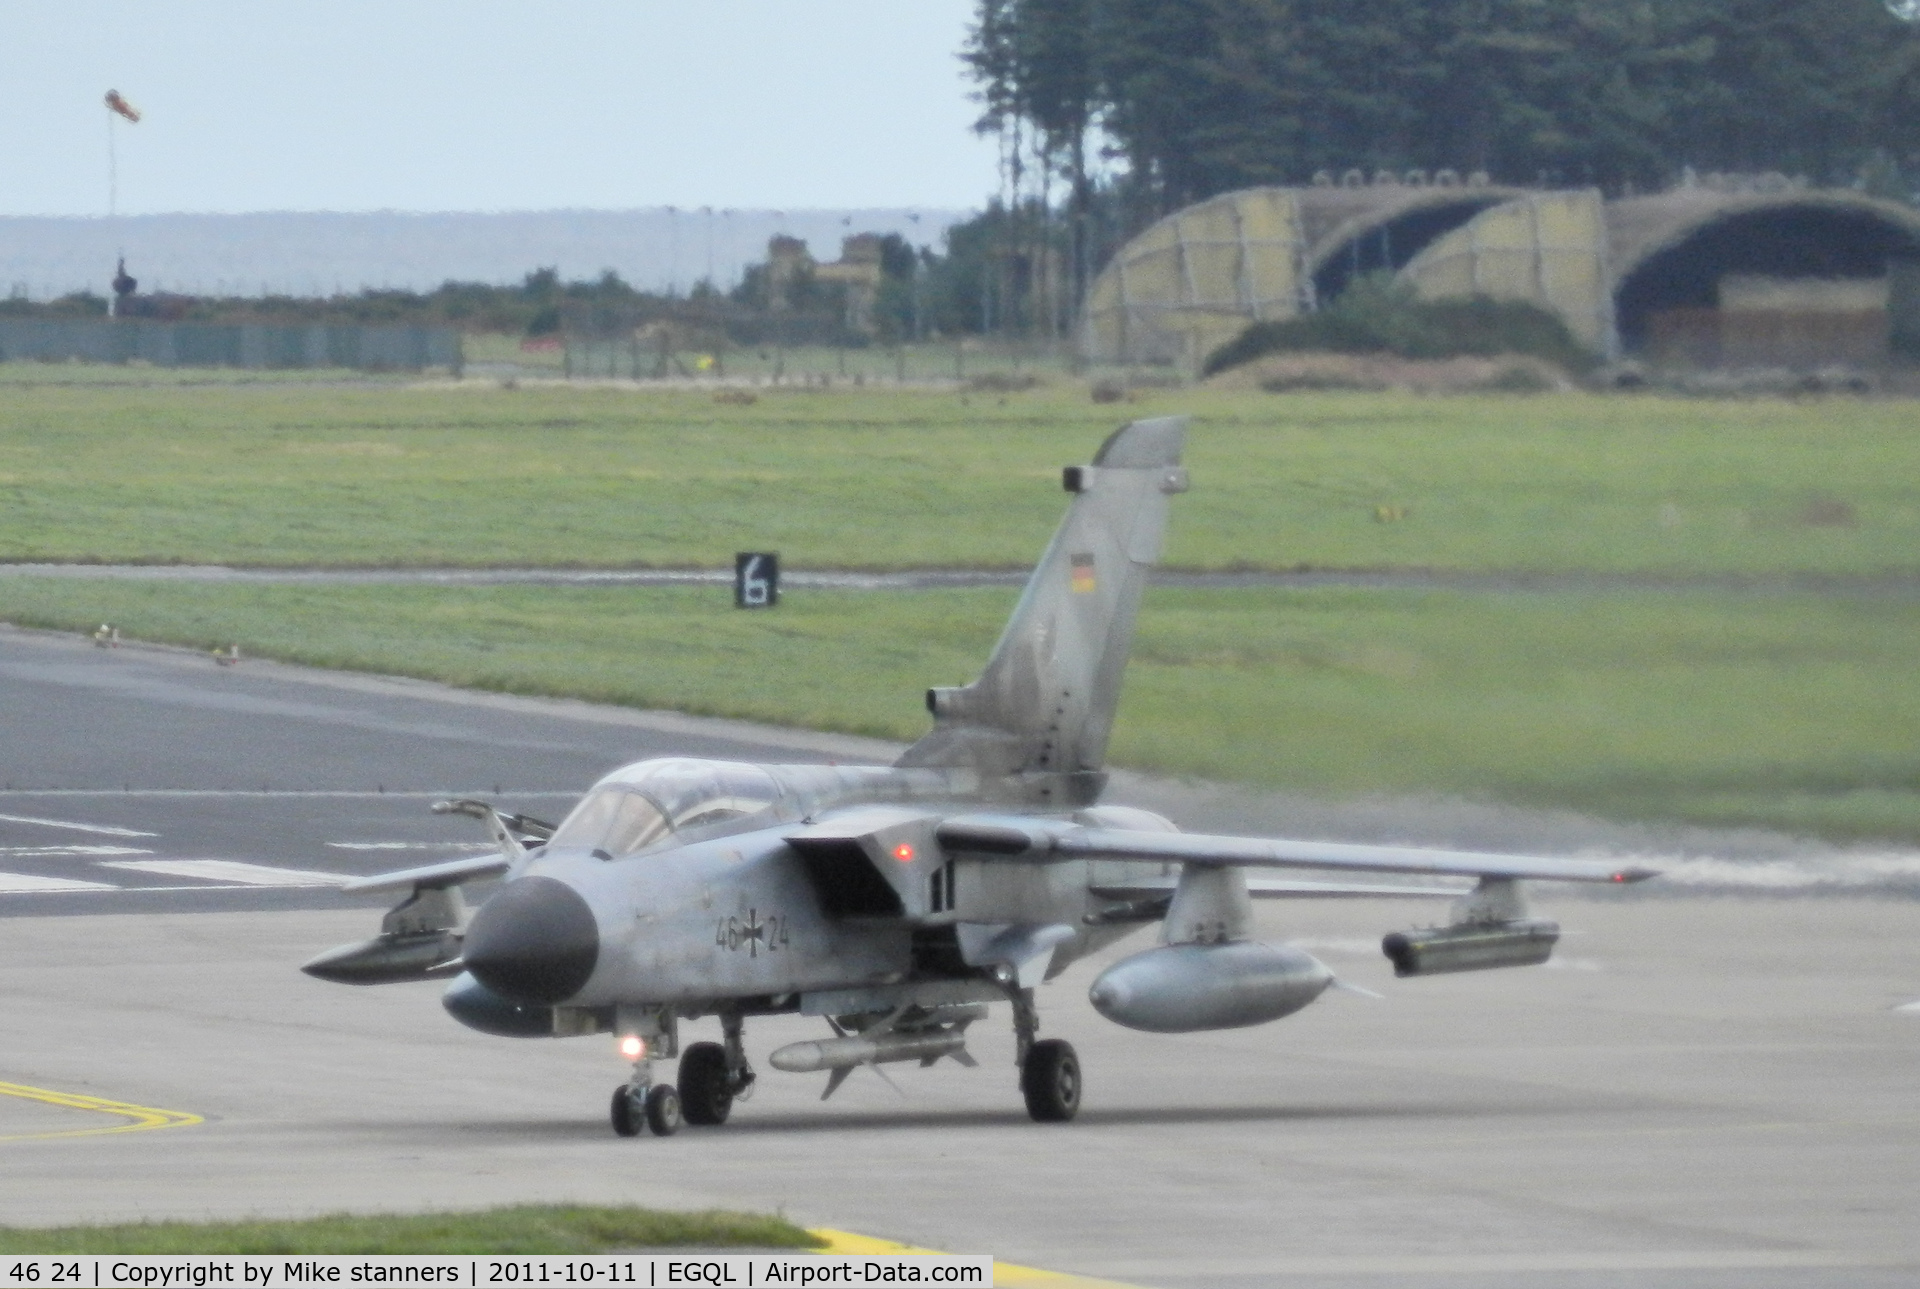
pixel 904 852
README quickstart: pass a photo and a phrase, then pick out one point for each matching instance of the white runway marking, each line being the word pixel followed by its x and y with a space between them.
pixel 231 871
pixel 45 852
pixel 104 830
pixel 29 883
pixel 410 845
pixel 1913 1006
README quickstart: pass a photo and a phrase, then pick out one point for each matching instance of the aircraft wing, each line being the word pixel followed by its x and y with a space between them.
pixel 1042 841
pixel 1266 888
pixel 453 872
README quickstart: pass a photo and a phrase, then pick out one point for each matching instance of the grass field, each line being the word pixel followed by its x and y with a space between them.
pixel 964 360
pixel 1795 711
pixel 287 473
pixel 1791 712
pixel 526 1228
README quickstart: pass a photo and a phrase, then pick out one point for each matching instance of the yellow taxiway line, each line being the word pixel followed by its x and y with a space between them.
pixel 1006 1275
pixel 140 1118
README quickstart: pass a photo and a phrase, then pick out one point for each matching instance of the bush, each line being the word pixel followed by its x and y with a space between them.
pixel 1379 314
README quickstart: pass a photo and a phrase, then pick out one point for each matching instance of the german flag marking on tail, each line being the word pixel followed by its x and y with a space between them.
pixel 1081 575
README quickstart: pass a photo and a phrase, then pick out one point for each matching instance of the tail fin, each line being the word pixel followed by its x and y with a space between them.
pixel 1044 706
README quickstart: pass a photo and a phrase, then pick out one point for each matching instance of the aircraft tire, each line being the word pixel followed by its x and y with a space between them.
pixel 1050 1081
pixel 705 1096
pixel 663 1110
pixel 625 1114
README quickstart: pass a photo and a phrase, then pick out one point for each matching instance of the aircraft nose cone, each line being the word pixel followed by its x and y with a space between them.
pixel 534 942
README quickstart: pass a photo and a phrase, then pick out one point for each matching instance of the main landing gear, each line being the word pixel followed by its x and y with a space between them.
pixel 1050 1081
pixel 712 1077
pixel 1049 1070
pixel 715 1075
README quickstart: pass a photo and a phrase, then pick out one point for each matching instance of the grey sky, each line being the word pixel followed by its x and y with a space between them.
pixel 433 105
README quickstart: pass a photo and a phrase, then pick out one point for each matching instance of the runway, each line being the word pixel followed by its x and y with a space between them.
pixel 146 779
pixel 141 779
pixel 1709 1089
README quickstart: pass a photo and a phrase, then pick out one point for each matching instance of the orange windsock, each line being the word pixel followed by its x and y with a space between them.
pixel 117 104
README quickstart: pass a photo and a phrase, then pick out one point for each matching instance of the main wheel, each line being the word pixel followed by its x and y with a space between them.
pixel 706 1097
pixel 663 1110
pixel 624 1113
pixel 1050 1081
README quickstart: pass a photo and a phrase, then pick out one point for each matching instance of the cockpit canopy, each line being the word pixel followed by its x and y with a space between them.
pixel 643 804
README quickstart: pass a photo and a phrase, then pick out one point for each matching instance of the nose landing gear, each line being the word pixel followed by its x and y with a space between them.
pixel 658 1107
pixel 640 1100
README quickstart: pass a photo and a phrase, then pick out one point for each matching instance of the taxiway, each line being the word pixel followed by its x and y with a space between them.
pixel 1706 1090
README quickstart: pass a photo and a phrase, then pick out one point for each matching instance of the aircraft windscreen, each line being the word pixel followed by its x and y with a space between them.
pixel 613 821
pixel 662 797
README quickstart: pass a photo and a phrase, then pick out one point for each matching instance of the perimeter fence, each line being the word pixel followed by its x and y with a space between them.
pixel 215 344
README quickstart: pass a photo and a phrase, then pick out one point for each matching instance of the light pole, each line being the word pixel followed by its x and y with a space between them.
pixel 708 212
pixel 673 250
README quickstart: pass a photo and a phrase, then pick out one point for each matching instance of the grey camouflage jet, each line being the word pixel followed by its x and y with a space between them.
pixel 898 902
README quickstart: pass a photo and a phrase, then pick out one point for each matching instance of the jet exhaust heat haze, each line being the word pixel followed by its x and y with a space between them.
pixel 898 903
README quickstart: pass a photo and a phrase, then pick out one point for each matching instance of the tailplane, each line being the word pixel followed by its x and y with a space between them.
pixel 1044 706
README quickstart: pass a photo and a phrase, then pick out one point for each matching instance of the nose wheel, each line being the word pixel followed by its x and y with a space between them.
pixel 640 1100
pixel 656 1107
pixel 628 1112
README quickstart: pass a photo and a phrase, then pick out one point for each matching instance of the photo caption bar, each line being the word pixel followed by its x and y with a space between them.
pixel 799 1270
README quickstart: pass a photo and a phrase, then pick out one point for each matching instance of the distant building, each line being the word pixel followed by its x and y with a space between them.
pixel 859 270
pixel 788 263
pixel 329 253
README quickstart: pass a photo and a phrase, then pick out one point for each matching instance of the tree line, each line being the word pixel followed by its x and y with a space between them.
pixel 1171 101
pixel 1110 113
pixel 541 303
pixel 922 295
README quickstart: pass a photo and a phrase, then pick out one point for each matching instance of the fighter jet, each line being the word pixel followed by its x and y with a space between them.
pixel 899 903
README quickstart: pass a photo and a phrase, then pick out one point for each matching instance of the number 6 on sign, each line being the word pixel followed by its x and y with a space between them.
pixel 756 580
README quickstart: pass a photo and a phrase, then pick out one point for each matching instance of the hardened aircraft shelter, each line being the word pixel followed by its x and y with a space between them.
pixel 1728 271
